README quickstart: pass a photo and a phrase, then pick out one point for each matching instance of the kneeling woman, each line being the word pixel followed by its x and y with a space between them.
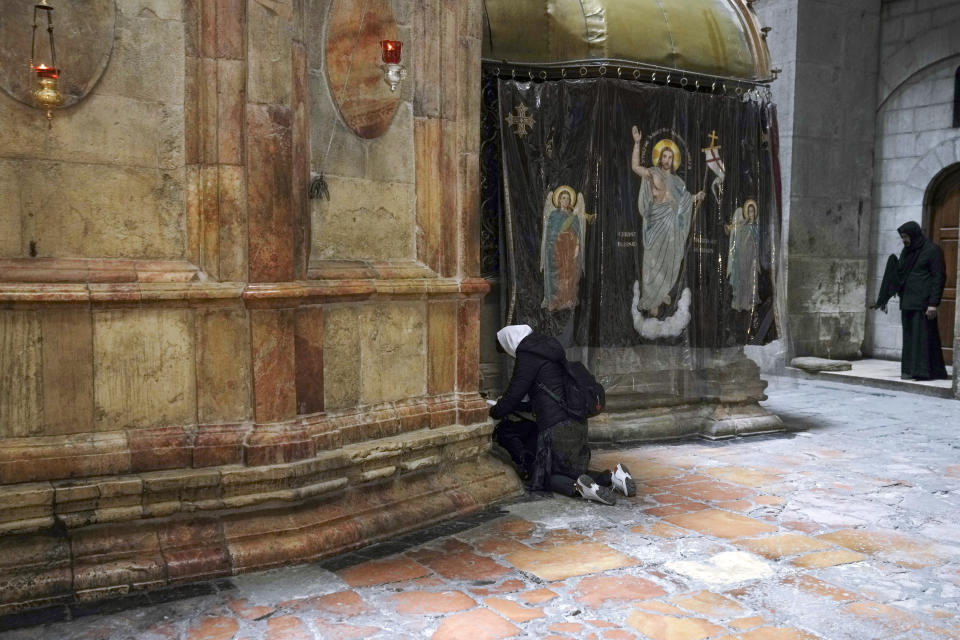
pixel 562 454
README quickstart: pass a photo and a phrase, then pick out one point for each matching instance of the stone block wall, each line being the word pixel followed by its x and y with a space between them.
pixel 827 136
pixel 831 200
pixel 194 356
pixel 920 55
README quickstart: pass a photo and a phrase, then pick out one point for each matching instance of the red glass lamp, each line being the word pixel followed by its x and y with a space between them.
pixel 47 95
pixel 393 72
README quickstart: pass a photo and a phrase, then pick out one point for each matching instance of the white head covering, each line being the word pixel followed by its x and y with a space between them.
pixel 511 335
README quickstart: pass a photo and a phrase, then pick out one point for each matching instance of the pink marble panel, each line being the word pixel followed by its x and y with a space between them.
pixel 231 28
pixel 269 186
pixel 274 365
pixel 309 357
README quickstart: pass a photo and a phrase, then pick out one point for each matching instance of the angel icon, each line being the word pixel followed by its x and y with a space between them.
pixel 562 247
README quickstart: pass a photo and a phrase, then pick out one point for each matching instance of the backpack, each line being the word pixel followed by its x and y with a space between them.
pixel 585 397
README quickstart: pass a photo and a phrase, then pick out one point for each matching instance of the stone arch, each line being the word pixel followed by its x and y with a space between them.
pixel 931 164
pixel 938 45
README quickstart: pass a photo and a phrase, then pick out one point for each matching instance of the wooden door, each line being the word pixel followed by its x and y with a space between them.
pixel 944 224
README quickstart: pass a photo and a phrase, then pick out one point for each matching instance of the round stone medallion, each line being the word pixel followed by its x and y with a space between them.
pixel 354 32
pixel 83 32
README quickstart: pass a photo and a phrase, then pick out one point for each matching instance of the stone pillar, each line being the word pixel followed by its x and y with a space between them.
pixel 827 136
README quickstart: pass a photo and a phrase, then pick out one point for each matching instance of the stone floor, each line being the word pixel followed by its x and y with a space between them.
pixel 884 374
pixel 845 530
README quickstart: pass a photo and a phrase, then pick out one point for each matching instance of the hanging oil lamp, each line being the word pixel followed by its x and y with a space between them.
pixel 47 95
pixel 393 72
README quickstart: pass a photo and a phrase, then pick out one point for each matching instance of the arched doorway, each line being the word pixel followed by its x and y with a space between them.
pixel 942 217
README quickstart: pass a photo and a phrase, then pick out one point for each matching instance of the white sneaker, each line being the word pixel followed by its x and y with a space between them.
pixel 623 481
pixel 590 490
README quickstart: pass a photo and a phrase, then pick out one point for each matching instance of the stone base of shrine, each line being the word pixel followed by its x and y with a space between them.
pixel 657 393
pixel 93 538
pixel 675 421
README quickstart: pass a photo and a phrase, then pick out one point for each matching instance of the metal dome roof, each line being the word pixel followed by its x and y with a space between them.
pixel 713 37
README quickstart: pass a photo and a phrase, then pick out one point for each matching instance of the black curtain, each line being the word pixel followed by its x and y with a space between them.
pixel 574 220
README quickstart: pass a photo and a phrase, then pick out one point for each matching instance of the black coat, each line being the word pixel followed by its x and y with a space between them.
pixel 539 359
pixel 924 283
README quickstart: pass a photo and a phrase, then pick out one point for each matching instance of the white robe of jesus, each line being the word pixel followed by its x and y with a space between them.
pixel 665 228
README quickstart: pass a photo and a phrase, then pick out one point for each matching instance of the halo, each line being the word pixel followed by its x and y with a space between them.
pixel 756 209
pixel 555 196
pixel 669 144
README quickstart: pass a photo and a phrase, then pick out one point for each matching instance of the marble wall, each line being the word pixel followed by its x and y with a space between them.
pixel 190 344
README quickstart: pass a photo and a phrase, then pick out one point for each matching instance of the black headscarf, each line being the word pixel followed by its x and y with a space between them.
pixel 910 253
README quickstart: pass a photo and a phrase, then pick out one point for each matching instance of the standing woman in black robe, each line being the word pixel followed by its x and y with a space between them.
pixel 918 278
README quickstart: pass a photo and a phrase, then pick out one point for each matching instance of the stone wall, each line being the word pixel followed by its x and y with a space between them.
pixel 920 55
pixel 104 186
pixel 829 160
pixel 199 357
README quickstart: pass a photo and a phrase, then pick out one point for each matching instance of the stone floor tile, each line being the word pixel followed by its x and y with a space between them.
pixel 374 572
pixel 661 607
pixel 801 525
pixel 340 603
pixel 677 480
pixel 893 619
pixel 344 631
pixel 678 508
pixel 537 596
pixel 499 545
pixel 769 501
pixel 464 565
pixel 709 604
pixel 659 529
pixel 712 491
pixel 659 627
pixel 815 586
pixel 423 583
pixel 744 476
pixel 160 632
pixel 219 628
pixel 507 586
pixel 566 627
pixel 553 637
pixel 248 612
pixel 721 524
pixel 479 624
pixel 744 624
pixel 595 591
pixel 602 624
pixel 566 561
pixel 783 545
pixel 772 633
pixel 743 506
pixel 452 545
pixel 287 628
pixel 667 498
pixel 432 602
pixel 517 528
pixel 724 568
pixel 556 537
pixel 618 634
pixel 513 611
pixel 821 559
pixel 909 552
